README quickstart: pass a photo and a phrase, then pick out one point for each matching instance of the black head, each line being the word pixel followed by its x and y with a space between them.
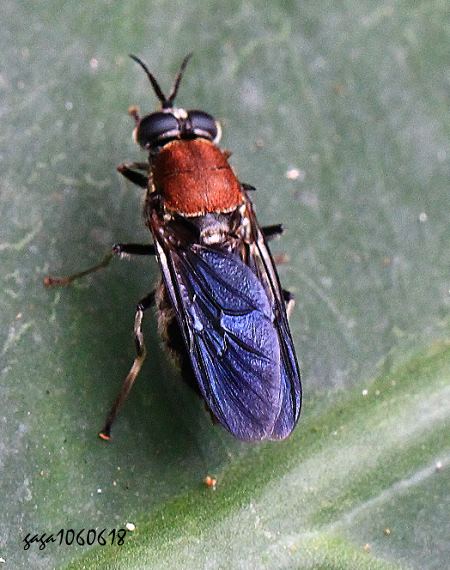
pixel 155 130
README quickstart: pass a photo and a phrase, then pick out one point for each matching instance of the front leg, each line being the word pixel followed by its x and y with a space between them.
pixel 118 249
pixel 132 175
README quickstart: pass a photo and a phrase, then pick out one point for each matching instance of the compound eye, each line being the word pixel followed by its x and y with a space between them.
pixel 204 125
pixel 156 127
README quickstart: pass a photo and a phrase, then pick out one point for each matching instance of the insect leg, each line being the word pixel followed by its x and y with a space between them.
pixel 141 352
pixel 289 300
pixel 133 111
pixel 50 281
pixel 122 249
pixel 270 232
pixel 119 249
pixel 134 177
pixel 137 165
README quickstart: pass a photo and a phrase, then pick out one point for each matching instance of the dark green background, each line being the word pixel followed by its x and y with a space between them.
pixel 355 94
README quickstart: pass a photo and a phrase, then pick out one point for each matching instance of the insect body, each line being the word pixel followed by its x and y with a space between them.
pixel 222 309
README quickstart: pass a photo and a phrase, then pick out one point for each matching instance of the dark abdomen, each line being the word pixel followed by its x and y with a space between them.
pixel 170 332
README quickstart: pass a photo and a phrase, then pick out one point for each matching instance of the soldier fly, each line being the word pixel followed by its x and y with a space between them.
pixel 221 307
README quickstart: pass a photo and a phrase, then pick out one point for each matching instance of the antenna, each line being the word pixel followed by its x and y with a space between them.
pixel 178 79
pixel 165 101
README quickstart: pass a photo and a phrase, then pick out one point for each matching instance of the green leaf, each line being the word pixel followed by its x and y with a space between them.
pixel 365 473
pixel 354 95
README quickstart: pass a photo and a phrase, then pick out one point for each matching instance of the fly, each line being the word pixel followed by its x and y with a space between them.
pixel 222 311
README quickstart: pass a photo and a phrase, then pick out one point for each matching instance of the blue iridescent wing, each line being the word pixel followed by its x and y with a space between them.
pixel 231 311
pixel 228 327
pixel 261 262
